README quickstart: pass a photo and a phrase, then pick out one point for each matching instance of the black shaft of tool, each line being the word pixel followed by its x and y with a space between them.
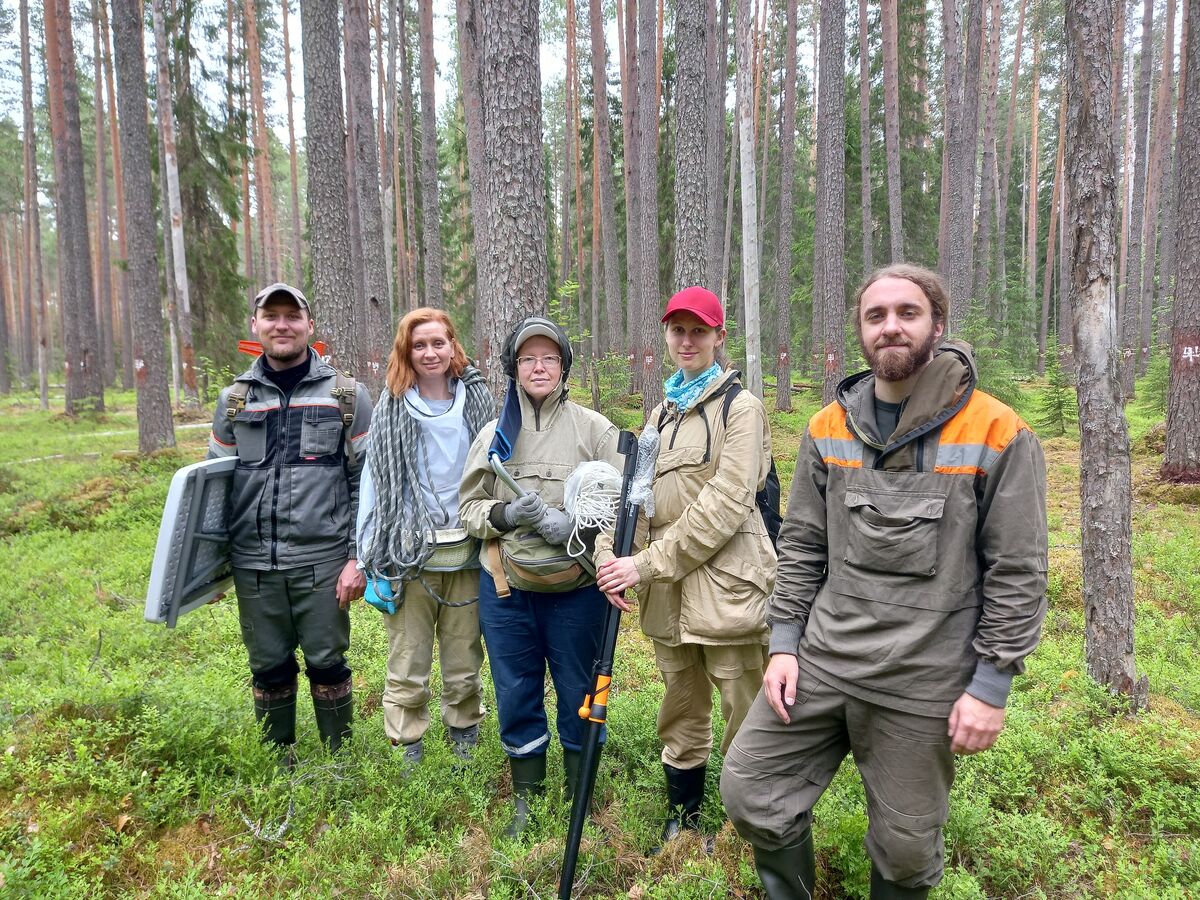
pixel 589 761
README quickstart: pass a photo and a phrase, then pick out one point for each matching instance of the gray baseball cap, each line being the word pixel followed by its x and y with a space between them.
pixel 271 291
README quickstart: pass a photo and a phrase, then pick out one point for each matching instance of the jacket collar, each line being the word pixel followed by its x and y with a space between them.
pixel 317 368
pixel 542 419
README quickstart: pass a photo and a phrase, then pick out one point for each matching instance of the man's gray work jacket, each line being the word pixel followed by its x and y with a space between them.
pixel 912 566
pixel 295 493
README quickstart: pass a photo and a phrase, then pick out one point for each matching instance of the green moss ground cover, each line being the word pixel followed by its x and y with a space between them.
pixel 130 766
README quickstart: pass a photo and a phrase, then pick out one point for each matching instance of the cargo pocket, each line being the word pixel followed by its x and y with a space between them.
pixel 319 436
pixel 893 533
pixel 250 434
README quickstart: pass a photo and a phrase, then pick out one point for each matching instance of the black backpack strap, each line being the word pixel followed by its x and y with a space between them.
pixel 345 390
pixel 730 395
pixel 235 400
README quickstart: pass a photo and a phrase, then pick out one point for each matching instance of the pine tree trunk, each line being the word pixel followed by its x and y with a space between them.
pixel 864 141
pixel 1170 233
pixel 829 290
pixel 1031 192
pixel 410 171
pixel 155 428
pixel 329 214
pixel 783 246
pixel 603 163
pixel 166 127
pixel 7 298
pixel 962 133
pixel 1000 306
pixel 83 368
pixel 568 156
pixel 293 163
pixel 262 158
pixel 1130 308
pixel 627 44
pixel 987 182
pixel 514 175
pixel 692 214
pixel 744 35
pixel 646 337
pixel 376 305
pixel 891 121
pixel 1048 274
pixel 104 299
pixel 431 231
pixel 35 298
pixel 1181 458
pixel 357 263
pixel 1126 196
pixel 472 93
pixel 1104 467
pixel 716 66
pixel 1154 181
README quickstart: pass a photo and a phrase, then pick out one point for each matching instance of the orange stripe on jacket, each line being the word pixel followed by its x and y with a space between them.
pixel 984 420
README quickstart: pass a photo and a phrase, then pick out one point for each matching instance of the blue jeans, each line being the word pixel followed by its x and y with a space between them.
pixel 523 634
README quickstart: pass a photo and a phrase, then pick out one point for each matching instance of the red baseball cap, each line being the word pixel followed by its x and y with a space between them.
pixel 700 301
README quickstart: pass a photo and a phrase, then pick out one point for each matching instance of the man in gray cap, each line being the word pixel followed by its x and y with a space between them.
pixel 299 429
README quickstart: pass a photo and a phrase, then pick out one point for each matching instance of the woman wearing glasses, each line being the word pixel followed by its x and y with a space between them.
pixel 538 604
pixel 705 575
pixel 409 535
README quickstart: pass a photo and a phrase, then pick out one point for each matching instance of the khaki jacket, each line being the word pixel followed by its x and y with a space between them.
pixel 553 441
pixel 912 566
pixel 709 565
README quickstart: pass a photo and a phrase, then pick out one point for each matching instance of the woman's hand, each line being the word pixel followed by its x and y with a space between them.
pixel 617 576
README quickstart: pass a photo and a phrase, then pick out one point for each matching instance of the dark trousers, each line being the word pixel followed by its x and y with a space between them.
pixel 524 634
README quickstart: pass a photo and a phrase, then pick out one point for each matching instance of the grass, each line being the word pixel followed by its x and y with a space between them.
pixel 130 764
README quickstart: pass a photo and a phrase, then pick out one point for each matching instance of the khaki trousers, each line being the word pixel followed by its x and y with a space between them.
pixel 690 672
pixel 411 633
pixel 775 773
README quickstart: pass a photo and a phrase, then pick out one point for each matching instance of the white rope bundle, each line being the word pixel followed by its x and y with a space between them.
pixel 592 494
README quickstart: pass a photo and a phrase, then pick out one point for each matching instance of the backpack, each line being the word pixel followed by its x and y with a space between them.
pixel 768 498
pixel 345 391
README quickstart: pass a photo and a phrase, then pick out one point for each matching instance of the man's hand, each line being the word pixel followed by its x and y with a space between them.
pixel 555 526
pixel 351 583
pixel 779 684
pixel 525 510
pixel 974 725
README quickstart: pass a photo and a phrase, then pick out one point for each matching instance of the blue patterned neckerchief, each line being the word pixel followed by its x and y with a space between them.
pixel 684 394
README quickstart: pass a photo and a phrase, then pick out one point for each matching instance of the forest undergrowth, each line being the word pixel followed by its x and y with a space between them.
pixel 130 764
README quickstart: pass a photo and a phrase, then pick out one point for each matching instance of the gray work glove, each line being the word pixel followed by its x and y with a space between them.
pixel 555 526
pixel 525 510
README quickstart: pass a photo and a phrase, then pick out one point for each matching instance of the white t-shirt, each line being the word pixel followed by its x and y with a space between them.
pixel 446 443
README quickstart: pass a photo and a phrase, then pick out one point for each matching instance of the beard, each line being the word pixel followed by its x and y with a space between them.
pixel 897 365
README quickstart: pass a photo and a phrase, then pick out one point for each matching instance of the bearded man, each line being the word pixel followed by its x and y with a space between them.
pixel 911 587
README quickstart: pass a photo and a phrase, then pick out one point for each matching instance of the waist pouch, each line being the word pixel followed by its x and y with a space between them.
pixel 454 551
pixel 531 564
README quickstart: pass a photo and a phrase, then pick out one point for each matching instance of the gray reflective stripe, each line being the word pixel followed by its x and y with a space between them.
pixel 955 456
pixel 839 448
pixel 527 748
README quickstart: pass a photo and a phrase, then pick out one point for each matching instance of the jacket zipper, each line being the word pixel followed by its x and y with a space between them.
pixel 286 404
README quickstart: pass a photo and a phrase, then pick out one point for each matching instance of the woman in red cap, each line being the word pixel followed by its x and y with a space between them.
pixel 709 566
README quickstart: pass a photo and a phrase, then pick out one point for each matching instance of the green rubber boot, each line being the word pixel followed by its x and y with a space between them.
pixel 882 889
pixel 333 705
pixel 685 796
pixel 275 712
pixel 788 873
pixel 571 760
pixel 528 779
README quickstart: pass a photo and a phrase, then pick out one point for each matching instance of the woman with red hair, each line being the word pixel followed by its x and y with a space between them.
pixel 423 569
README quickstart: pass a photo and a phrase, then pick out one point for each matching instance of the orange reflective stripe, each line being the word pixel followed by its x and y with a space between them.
pixel 984 420
pixel 830 422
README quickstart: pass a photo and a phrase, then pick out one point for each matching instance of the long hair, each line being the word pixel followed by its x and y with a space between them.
pixel 400 374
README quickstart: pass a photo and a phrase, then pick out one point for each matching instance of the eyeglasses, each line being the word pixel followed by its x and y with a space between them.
pixel 531 362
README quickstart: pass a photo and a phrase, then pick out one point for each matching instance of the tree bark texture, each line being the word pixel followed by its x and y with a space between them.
pixel 717 63
pixel 104 298
pixel 410 172
pixel 987 181
pixel 603 163
pixel 744 34
pixel 692 214
pixel 783 246
pixel 1181 459
pixel 263 191
pixel 1170 234
pixel 376 308
pixel 431 231
pixel 962 132
pixel 1000 301
pixel 1130 319
pixel 329 214
pixel 646 336
pixel 174 208
pixel 472 94
pixel 1031 176
pixel 514 176
pixel 155 428
pixel 82 364
pixel 1105 487
pixel 293 163
pixel 864 139
pixel 891 124
pixel 35 297
pixel 1048 273
pixel 829 265
pixel 627 40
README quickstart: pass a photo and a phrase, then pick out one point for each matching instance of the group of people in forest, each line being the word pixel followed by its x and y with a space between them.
pixel 907 588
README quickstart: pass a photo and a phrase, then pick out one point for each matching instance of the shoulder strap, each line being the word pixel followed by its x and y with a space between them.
pixel 730 393
pixel 345 390
pixel 236 399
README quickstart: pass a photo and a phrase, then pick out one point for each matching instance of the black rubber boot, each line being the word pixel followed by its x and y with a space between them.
pixel 788 873
pixel 333 705
pixel 275 712
pixel 685 794
pixel 882 889
pixel 571 760
pixel 528 780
